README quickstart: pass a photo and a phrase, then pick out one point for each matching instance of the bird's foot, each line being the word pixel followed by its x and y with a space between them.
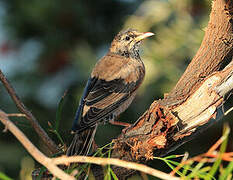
pixel 125 129
pixel 94 146
pixel 118 123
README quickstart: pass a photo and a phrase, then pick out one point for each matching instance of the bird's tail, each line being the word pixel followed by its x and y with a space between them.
pixel 82 142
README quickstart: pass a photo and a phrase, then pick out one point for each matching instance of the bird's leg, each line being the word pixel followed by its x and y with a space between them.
pixel 118 123
pixel 94 146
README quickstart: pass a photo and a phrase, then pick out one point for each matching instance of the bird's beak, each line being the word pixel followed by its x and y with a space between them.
pixel 143 36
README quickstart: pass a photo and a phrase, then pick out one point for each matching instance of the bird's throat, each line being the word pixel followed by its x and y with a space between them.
pixel 130 54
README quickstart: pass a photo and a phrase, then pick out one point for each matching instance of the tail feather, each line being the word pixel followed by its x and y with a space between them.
pixel 82 142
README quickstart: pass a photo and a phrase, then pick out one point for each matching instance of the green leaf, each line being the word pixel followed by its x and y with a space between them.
pixel 187 168
pixel 226 131
pixel 113 175
pixel 58 136
pixel 170 163
pixel 195 170
pixel 108 175
pixel 82 168
pixel 59 112
pixel 4 176
pixel 205 169
pixel 227 171
pixel 99 151
pixel 173 156
pixel 203 176
pixel 173 162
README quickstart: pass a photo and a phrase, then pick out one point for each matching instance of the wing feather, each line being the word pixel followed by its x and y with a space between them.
pixel 102 96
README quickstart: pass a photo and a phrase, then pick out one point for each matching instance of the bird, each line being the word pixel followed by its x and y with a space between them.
pixel 110 89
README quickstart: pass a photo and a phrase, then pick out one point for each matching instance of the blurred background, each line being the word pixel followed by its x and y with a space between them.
pixel 49 47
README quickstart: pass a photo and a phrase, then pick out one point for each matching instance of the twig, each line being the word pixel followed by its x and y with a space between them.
pixel 22 108
pixel 113 161
pixel 215 146
pixel 225 156
pixel 39 156
pixel 16 115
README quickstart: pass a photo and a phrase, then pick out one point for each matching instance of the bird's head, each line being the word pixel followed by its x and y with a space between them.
pixel 126 43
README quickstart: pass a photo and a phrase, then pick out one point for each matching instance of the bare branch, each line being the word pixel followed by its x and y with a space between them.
pixel 113 161
pixel 22 108
pixel 16 115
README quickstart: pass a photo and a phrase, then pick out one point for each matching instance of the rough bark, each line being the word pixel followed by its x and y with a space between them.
pixel 196 101
pixel 213 55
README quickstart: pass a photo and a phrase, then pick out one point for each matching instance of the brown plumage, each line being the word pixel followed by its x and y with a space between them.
pixel 110 89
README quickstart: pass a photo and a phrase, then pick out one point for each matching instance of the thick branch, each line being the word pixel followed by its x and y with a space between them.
pixel 22 108
pixel 214 53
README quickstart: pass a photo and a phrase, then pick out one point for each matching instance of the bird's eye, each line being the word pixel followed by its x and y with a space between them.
pixel 127 38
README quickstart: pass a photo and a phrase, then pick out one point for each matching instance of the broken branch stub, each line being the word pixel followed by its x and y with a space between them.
pixel 148 133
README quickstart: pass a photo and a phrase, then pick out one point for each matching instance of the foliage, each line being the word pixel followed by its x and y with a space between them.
pixel 206 166
pixel 4 177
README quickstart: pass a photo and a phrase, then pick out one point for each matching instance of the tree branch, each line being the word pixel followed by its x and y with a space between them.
pixel 113 161
pixel 22 108
pixel 213 55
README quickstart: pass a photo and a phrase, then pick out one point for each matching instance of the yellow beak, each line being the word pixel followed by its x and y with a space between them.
pixel 143 36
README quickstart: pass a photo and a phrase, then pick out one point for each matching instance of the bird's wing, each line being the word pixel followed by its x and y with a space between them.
pixel 90 84
pixel 102 96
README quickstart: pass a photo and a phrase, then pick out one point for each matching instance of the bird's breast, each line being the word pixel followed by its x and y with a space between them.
pixel 114 66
